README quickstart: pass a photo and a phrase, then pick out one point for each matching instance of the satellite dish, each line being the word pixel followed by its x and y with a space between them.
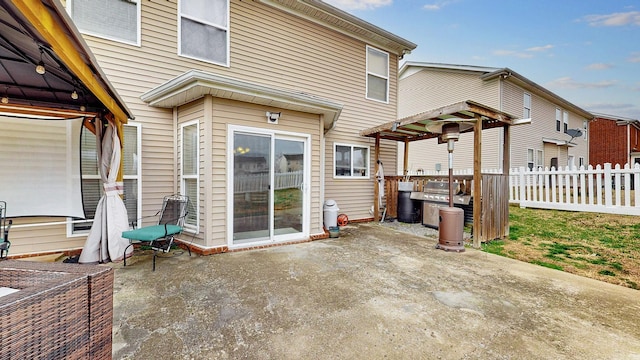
pixel 574 133
pixel 435 126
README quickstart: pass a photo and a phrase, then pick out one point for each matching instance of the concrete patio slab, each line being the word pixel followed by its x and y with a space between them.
pixel 372 293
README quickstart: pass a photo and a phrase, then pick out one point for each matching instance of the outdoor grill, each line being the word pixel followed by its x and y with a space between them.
pixel 435 195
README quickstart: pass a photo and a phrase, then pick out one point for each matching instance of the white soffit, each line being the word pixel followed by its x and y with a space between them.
pixel 558 142
pixel 195 84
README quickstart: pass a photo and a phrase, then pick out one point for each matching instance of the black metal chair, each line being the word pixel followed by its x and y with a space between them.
pixel 170 223
pixel 5 225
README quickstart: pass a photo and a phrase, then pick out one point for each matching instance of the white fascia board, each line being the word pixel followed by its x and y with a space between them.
pixel 195 84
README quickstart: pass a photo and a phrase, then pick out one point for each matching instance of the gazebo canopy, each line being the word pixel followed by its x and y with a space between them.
pixel 427 125
pixel 48 65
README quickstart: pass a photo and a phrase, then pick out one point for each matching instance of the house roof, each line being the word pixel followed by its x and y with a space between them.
pixel 490 73
pixel 428 124
pixel 332 17
pixel 195 84
pixel 34 31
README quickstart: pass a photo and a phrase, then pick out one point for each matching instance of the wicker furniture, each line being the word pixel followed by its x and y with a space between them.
pixel 60 311
pixel 5 225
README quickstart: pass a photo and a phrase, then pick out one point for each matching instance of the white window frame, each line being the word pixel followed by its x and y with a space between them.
pixel 585 127
pixel 351 166
pixel 531 160
pixel 539 159
pixel 581 161
pixel 226 28
pixel 191 227
pixel 558 120
pixel 565 121
pixel 71 232
pixel 381 76
pixel 69 9
pixel 526 114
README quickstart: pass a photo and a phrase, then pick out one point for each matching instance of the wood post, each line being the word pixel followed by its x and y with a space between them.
pixel 477 182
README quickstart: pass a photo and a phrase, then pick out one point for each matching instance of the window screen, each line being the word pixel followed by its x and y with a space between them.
pixel 204 30
pixel 113 19
pixel 377 74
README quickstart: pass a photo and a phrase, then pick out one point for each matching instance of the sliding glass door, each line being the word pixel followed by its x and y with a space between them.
pixel 269 173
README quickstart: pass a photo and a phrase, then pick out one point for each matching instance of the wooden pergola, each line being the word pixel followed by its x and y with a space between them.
pixel 426 125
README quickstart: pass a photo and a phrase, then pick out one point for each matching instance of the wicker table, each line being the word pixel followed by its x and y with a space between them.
pixel 60 311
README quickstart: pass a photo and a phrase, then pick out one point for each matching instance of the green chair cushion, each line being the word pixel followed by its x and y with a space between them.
pixel 151 233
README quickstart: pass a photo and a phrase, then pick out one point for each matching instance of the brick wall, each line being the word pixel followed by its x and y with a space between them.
pixel 608 142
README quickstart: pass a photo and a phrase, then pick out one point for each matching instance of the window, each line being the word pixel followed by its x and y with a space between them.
pixel 585 125
pixel 565 120
pixel 530 159
pixel 580 161
pixel 558 119
pixel 539 159
pixel 117 20
pixel 92 184
pixel 204 30
pixel 377 75
pixel 189 171
pixel 527 106
pixel 351 161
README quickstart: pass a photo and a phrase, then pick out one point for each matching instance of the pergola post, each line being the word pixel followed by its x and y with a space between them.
pixel 477 182
pixel 376 188
pixel 506 163
pixel 405 165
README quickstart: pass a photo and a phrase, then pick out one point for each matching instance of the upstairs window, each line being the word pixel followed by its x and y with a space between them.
pixel 351 161
pixel 558 119
pixel 565 120
pixel 117 20
pixel 526 114
pixel 204 30
pixel 377 75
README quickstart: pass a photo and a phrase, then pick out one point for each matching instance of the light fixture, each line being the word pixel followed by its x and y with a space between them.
pixel 74 95
pixel 5 98
pixel 82 108
pixel 40 69
pixel 272 117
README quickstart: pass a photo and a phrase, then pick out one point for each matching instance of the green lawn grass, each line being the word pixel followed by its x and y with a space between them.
pixel 601 246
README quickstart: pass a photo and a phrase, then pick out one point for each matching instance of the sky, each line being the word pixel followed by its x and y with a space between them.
pixel 585 51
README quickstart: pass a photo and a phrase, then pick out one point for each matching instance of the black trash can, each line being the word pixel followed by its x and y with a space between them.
pixel 408 209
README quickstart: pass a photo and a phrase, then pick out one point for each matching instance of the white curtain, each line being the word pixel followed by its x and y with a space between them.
pixel 105 242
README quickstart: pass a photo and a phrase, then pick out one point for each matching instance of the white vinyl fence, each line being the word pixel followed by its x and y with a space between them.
pixel 603 189
pixel 600 189
pixel 260 182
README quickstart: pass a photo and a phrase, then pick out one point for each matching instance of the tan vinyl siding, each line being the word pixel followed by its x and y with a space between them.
pixel 543 125
pixel 40 239
pixel 430 89
pixel 227 112
pixel 288 53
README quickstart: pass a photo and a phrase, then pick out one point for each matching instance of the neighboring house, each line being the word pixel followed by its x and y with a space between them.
pixel 205 87
pixel 614 139
pixel 543 143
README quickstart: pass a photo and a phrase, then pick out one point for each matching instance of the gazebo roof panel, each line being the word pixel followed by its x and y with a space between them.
pixel 413 128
